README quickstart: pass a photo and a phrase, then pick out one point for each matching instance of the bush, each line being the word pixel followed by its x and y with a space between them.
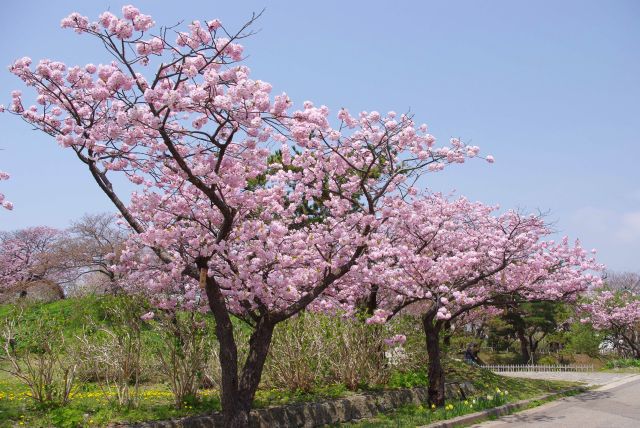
pixel 312 349
pixel 300 354
pixel 548 360
pixel 38 355
pixel 183 352
pixel 113 350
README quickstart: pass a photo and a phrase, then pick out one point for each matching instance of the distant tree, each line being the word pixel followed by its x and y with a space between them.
pixel 530 323
pixel 90 249
pixel 29 255
pixel 616 312
pixel 623 281
pixel 582 338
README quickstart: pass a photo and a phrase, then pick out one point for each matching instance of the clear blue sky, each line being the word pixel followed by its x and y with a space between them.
pixel 550 88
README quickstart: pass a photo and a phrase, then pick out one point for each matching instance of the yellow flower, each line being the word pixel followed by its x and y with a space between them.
pixel 433 406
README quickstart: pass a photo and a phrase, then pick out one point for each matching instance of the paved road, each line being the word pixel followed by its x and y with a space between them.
pixel 616 405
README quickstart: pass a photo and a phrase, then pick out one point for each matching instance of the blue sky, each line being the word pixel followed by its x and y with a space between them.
pixel 550 88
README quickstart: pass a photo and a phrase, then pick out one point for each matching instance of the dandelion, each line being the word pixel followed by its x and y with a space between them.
pixel 433 407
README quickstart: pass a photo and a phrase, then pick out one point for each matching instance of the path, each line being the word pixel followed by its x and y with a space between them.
pixel 616 404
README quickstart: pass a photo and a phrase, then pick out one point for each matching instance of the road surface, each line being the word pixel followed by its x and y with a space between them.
pixel 616 405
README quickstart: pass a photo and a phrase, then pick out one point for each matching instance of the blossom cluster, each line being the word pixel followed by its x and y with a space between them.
pixel 3 202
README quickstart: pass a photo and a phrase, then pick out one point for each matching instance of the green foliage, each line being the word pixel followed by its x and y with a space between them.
pixel 409 379
pixel 548 360
pixel 583 339
pixel 68 417
pixel 623 363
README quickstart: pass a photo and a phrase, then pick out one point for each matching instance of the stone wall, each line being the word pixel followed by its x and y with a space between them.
pixel 36 291
pixel 316 414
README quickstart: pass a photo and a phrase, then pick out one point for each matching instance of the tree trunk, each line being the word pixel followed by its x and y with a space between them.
pixel 371 302
pixel 446 340
pixel 234 415
pixel 436 372
pixel 524 345
pixel 236 394
pixel 252 370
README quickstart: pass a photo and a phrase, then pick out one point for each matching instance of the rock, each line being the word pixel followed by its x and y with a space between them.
pixel 36 291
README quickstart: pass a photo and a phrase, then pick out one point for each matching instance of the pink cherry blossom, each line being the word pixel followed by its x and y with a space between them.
pixel 3 202
pixel 148 316
pixel 25 255
pixel 617 313
pixel 243 206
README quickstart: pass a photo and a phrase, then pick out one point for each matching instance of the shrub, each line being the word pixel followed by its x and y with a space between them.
pixel 183 352
pixel 39 356
pixel 549 360
pixel 358 353
pixel 300 353
pixel 114 350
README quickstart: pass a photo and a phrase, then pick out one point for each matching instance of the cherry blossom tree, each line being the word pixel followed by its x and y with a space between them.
pixel 89 250
pixel 451 257
pixel 27 255
pixel 3 202
pixel 243 208
pixel 623 281
pixel 617 313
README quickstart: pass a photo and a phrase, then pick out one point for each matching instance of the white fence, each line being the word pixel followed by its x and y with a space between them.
pixel 538 368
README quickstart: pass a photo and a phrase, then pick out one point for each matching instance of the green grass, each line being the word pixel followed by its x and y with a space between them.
pixel 413 416
pixel 492 391
pixel 91 407
pixel 623 363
